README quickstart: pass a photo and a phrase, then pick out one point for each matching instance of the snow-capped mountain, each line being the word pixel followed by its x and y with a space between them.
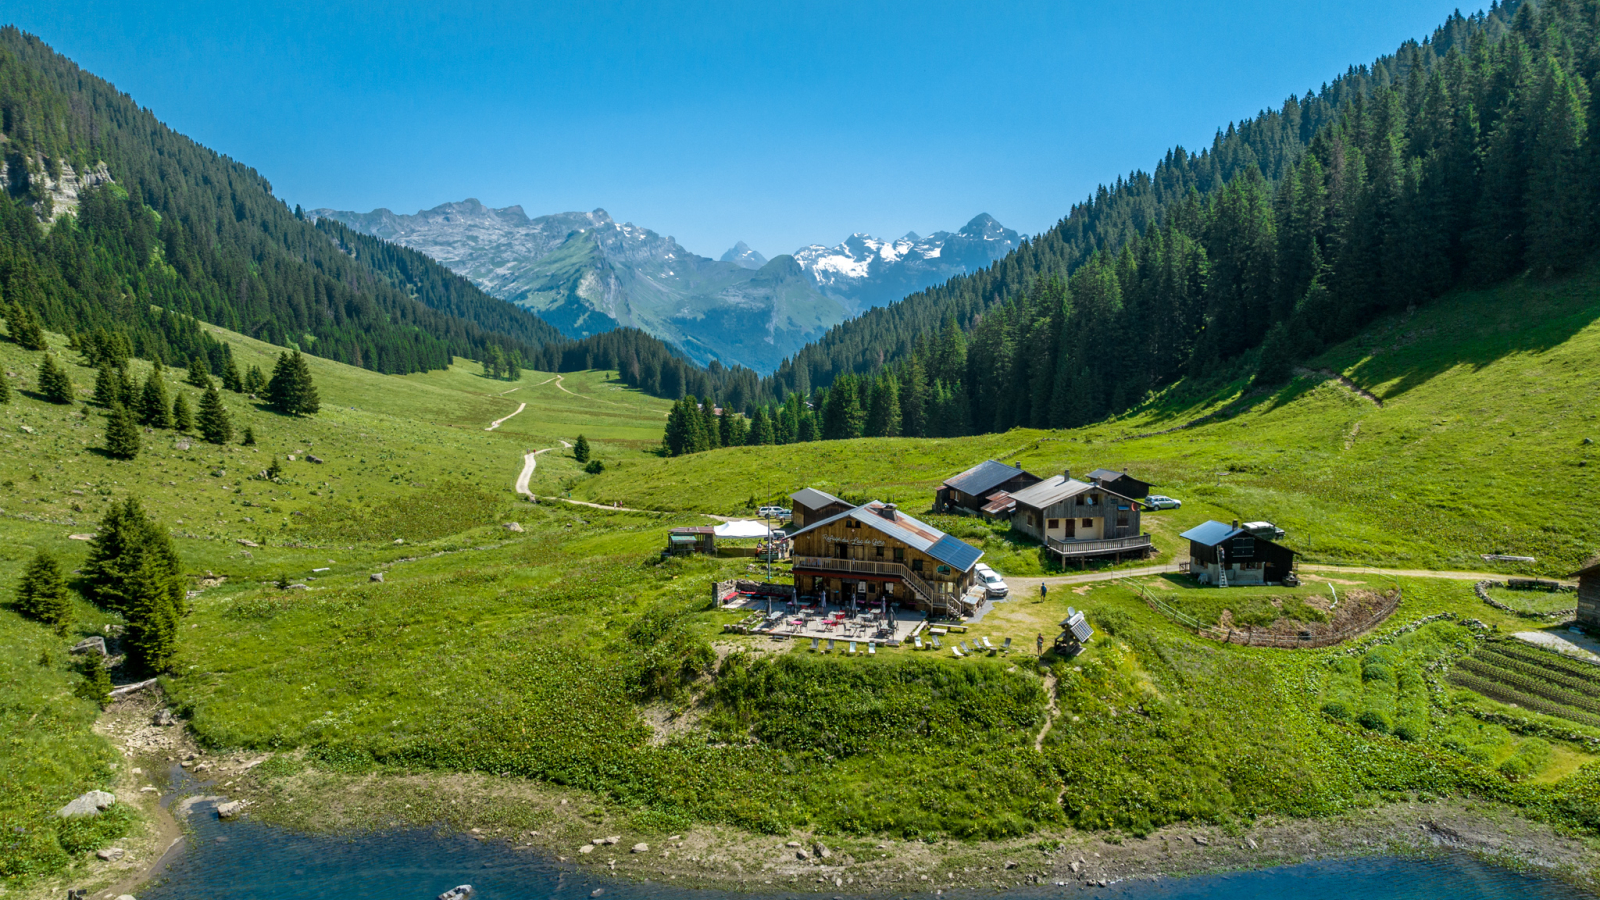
pixel 586 273
pixel 864 271
pixel 740 254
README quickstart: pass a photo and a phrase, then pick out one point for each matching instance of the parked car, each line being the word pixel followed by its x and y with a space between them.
pixel 1158 501
pixel 993 584
pixel 773 512
pixel 1263 530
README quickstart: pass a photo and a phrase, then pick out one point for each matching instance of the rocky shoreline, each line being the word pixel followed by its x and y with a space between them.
pixel 579 830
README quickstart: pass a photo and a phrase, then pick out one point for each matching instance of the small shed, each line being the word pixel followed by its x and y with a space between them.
pixel 1221 554
pixel 1589 594
pixel 1120 483
pixel 811 506
pixel 691 539
pixel 976 488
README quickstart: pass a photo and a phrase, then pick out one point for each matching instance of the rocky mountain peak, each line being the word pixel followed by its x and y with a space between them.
pixel 741 255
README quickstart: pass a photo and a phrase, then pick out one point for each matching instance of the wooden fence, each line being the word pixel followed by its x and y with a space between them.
pixel 723 592
pixel 1250 637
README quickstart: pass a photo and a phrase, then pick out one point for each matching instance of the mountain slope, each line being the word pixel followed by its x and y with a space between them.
pixel 864 272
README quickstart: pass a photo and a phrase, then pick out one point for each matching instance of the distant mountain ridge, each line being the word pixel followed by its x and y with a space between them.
pixel 586 273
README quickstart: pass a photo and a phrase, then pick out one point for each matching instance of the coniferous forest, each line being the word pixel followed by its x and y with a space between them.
pixel 1462 160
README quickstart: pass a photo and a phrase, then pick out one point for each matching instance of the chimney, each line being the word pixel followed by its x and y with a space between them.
pixel 1066 474
pixel 1235 524
pixel 888 511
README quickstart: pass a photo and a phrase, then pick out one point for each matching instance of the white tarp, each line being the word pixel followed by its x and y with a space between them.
pixel 741 528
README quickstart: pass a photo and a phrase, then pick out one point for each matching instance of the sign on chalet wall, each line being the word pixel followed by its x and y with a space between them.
pixel 862 542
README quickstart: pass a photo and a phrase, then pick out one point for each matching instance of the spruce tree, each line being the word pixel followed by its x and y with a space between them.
pixel 42 592
pixel 25 328
pixel 96 683
pixel 199 372
pixel 254 380
pixel 155 410
pixel 125 540
pixel 580 450
pixel 122 433
pixel 291 391
pixel 53 381
pixel 182 416
pixel 215 424
pixel 5 388
pixel 127 391
pixel 230 375
pixel 152 614
pixel 249 439
pixel 106 392
pixel 760 428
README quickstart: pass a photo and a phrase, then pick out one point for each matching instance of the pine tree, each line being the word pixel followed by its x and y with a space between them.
pixel 122 433
pixel 291 391
pixel 152 614
pixel 155 410
pixel 230 375
pixel 127 391
pixel 760 428
pixel 580 450
pixel 42 592
pixel 199 372
pixel 25 328
pixel 883 416
pixel 53 381
pixel 5 388
pixel 255 381
pixel 125 539
pixel 737 429
pixel 106 390
pixel 182 416
pixel 249 439
pixel 215 424
pixel 514 366
pixel 96 683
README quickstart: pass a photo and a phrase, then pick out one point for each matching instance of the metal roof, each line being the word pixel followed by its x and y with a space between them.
pixel 949 550
pixel 1211 533
pixel 1113 475
pixel 1050 491
pixel 999 502
pixel 1593 568
pixel 811 498
pixel 983 478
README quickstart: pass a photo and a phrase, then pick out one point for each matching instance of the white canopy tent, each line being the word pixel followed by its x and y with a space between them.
pixel 741 529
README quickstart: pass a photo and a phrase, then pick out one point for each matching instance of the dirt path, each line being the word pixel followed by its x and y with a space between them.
pixel 1050 712
pixel 496 423
pixel 530 461
pixel 1412 573
pixel 1354 388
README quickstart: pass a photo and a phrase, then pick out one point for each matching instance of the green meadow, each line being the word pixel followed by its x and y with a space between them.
pixel 570 653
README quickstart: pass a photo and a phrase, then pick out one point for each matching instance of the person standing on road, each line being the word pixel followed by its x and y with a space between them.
pixel 1044 589
pixel 1039 643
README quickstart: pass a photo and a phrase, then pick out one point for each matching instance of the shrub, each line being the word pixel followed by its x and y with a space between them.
pixel 1374 720
pixel 595 467
pixel 1337 709
pixel 1410 730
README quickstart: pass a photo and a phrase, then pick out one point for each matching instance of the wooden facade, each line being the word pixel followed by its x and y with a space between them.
pixel 972 489
pixel 1062 510
pixel 1589 595
pixel 811 506
pixel 877 553
pixel 1121 483
pixel 1216 548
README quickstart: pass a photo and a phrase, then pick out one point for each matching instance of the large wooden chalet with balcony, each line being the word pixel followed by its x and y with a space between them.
pixel 1079 519
pixel 875 552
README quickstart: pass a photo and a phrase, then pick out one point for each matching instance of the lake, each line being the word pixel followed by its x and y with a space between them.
pixel 245 860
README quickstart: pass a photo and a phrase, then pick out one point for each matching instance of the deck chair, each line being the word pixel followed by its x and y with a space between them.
pixel 1006 647
pixel 973 649
pixel 936 644
pixel 957 651
pixel 872 649
pixel 852 648
pixel 830 646
pixel 918 640
pixel 988 646
pixel 813 645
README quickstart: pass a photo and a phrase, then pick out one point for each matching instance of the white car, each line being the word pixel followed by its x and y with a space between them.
pixel 1158 501
pixel 773 512
pixel 993 584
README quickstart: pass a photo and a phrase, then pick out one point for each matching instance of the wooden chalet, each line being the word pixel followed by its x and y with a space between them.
pixel 811 505
pixel 691 539
pixel 1589 594
pixel 1221 554
pixel 875 552
pixel 985 485
pixel 1120 483
pixel 1079 519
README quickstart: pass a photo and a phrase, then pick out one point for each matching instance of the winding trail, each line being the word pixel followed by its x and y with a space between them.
pixel 1354 388
pixel 496 423
pixel 1050 713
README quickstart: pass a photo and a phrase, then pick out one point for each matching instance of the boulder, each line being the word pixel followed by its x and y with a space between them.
pixel 89 804
pixel 514 526
pixel 164 718
pixel 586 848
pixel 229 809
pixel 248 543
pixel 298 587
pixel 376 576
pixel 459 892
pixel 315 459
pixel 95 644
pixel 613 840
pixel 641 848
pixel 111 853
pixel 801 854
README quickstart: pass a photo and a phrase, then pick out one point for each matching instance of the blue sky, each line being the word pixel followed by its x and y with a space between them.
pixel 779 125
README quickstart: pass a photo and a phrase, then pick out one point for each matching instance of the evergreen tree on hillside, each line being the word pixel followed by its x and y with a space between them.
pixel 53 381
pixel 24 327
pixel 152 614
pixel 42 592
pixel 155 409
pixel 96 684
pixel 230 374
pixel 199 372
pixel 182 415
pixel 255 381
pixel 107 391
pixel 760 428
pixel 736 430
pixel 127 391
pixel 5 388
pixel 122 433
pixel 580 449
pixel 291 391
pixel 249 439
pixel 127 541
pixel 883 415
pixel 514 366
pixel 842 415
pixel 215 424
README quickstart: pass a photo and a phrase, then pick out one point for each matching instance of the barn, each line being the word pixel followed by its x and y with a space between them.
pixel 1221 554
pixel 1589 594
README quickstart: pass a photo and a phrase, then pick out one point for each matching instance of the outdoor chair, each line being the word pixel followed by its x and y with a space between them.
pixel 852 648
pixel 988 646
pixel 872 649
pixel 813 645
pixel 936 644
pixel 830 646
pixel 1006 647
pixel 918 640
pixel 957 651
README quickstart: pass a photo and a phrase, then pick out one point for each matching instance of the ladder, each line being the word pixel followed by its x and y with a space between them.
pixel 1222 567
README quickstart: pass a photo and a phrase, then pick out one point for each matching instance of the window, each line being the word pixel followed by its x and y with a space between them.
pixel 878 552
pixel 1122 520
pixel 851 523
pixel 1055 523
pixel 1088 523
pixel 944 570
pixel 916 565
pixel 899 554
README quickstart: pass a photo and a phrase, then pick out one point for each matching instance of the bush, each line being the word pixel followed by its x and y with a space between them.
pixel 595 467
pixel 1410 730
pixel 1374 720
pixel 1336 709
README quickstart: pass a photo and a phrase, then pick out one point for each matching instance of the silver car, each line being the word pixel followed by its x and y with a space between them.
pixel 1158 501
pixel 993 584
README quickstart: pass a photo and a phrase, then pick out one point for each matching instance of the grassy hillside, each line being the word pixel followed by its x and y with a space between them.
pixel 1488 398
pixel 569 653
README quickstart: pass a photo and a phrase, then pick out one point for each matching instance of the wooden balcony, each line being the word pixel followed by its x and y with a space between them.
pixel 1104 547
